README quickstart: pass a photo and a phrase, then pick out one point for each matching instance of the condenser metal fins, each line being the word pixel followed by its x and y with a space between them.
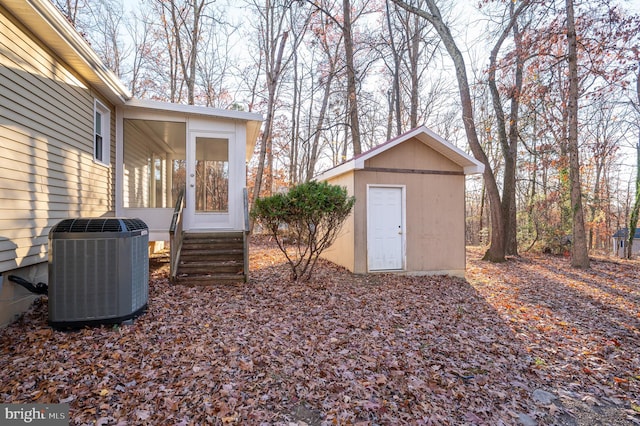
pixel 98 271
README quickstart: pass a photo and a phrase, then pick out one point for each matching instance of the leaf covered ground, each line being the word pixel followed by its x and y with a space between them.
pixel 523 342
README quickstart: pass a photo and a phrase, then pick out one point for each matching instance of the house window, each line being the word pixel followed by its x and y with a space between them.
pixel 101 137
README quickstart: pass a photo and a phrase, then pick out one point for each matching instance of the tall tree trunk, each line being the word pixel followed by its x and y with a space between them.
pixel 414 54
pixel 169 34
pixel 295 123
pixel 579 250
pixel 496 251
pixel 273 76
pixel 193 53
pixel 396 77
pixel 390 102
pixel 72 11
pixel 509 196
pixel 187 63
pixel 313 157
pixel 508 143
pixel 352 89
pixel 633 219
pixel 483 196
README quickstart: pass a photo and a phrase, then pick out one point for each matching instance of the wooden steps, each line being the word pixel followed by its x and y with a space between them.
pixel 211 258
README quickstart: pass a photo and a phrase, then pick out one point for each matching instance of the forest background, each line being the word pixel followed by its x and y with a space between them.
pixel 558 127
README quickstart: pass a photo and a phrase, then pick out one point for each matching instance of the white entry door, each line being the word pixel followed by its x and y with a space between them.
pixel 385 228
pixel 208 202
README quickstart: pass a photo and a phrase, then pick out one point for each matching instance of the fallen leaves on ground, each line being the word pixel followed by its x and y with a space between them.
pixel 580 327
pixel 344 349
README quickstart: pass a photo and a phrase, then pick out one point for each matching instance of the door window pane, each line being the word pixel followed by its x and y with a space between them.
pixel 212 175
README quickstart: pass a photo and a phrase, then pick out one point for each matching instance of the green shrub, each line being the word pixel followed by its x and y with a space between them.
pixel 304 222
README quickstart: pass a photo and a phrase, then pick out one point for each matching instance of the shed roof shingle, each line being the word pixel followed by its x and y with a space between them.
pixel 624 232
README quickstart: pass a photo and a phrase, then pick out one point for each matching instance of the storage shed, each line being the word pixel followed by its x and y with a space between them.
pixel 409 215
pixel 620 242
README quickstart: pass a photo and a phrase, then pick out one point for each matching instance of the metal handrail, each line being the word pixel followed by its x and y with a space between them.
pixel 175 236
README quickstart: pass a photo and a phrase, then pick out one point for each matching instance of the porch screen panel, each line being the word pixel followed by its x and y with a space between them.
pixel 212 175
pixel 137 176
pixel 154 163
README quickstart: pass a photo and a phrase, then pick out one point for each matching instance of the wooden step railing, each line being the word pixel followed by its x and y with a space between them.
pixel 208 257
pixel 175 236
pixel 245 234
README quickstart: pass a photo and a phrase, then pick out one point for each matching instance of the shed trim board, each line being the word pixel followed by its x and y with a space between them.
pixel 413 171
pixel 386 241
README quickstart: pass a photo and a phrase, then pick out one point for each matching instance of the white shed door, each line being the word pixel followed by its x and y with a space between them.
pixel 385 228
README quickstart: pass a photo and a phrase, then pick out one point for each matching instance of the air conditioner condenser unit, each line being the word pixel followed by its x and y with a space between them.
pixel 98 271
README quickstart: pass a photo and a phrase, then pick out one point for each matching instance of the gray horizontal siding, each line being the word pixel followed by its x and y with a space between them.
pixel 46 148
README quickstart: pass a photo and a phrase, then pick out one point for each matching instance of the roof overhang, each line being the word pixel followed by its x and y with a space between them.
pixel 252 120
pixel 425 135
pixel 50 26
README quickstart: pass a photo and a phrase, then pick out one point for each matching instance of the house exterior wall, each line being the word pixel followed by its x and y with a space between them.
pixel 46 134
pixel 342 250
pixel 435 209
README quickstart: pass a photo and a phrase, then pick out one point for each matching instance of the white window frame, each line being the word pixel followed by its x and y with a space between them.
pixel 102 156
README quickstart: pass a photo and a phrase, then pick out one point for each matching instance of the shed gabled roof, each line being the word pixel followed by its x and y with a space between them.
pixel 624 232
pixel 425 135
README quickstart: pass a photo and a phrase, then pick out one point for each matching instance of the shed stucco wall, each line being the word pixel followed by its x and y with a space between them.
pixel 413 155
pixel 342 251
pixel 435 209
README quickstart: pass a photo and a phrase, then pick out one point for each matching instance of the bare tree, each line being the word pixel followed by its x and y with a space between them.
pixel 496 251
pixel 214 62
pixel 273 35
pixel 509 143
pixel 168 63
pixel 346 22
pixel 140 30
pixel 410 46
pixel 633 219
pixel 108 17
pixel 71 9
pixel 352 88
pixel 579 247
pixel 186 24
pixel 331 44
